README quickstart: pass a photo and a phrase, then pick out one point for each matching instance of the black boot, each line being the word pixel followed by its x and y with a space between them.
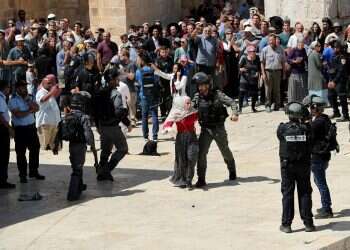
pixel 310 228
pixel 286 229
pixel 324 213
pixel 74 189
pixel 201 183
pixel 231 165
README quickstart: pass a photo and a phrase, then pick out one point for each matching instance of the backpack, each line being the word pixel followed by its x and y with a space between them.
pixel 104 108
pixel 71 129
pixel 150 148
pixel 330 142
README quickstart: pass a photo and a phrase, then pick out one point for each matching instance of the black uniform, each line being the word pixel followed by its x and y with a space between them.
pixel 112 112
pixel 212 115
pixel 337 73
pixel 83 135
pixel 295 154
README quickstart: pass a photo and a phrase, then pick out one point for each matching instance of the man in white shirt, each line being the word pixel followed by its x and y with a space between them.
pixel 48 116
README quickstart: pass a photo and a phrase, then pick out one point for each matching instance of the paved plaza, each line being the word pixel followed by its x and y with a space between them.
pixel 141 210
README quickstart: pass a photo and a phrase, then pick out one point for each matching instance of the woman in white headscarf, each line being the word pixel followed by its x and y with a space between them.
pixel 186 145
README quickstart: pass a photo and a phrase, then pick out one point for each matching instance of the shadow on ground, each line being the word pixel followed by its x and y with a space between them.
pixel 54 190
pixel 242 180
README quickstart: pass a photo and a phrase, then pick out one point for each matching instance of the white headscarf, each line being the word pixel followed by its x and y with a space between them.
pixel 178 111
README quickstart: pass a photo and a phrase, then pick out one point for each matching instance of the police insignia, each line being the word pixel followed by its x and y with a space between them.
pixel 295 138
pixel 343 61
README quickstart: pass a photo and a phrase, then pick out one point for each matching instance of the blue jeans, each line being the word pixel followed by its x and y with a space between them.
pixel 150 105
pixel 318 168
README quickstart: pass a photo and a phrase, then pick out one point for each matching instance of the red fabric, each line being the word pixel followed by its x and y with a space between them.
pixel 185 125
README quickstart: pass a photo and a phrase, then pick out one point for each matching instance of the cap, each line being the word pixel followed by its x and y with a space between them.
pixel 177 39
pixel 246 23
pixel 51 16
pixel 145 24
pixel 90 40
pixel 248 29
pixel 183 58
pixel 251 49
pixel 35 26
pixel 19 38
pixel 2 31
pixel 336 24
pixel 69 39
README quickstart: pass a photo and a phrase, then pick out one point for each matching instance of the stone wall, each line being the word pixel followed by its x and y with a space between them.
pixel 72 9
pixel 108 14
pixel 140 11
pixel 309 11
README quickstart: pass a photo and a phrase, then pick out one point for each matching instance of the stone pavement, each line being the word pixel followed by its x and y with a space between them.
pixel 141 210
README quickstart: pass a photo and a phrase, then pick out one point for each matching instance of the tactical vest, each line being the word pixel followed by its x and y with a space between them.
pixel 295 145
pixel 72 129
pixel 149 83
pixel 211 111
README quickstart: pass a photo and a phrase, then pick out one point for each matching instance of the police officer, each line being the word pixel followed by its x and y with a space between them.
pixel 80 122
pixel 212 115
pixel 26 137
pixel 110 114
pixel 295 153
pixel 338 82
pixel 320 157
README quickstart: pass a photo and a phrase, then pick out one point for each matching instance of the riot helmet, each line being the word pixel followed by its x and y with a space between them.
pixel 201 78
pixel 79 100
pixel 295 110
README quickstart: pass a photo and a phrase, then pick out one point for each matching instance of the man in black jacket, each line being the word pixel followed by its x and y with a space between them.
pixel 321 155
pixel 110 114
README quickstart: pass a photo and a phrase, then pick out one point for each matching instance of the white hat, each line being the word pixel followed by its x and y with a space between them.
pixel 246 23
pixel 248 29
pixel 51 16
pixel 69 39
pixel 19 38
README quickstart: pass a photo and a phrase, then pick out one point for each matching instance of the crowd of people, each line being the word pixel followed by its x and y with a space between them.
pixel 54 74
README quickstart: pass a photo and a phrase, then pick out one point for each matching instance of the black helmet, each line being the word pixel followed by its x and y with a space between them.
pixel 201 78
pixel 295 110
pixel 79 100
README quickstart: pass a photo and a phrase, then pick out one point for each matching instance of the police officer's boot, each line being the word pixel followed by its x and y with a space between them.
pixel 231 165
pixel 200 183
pixel 74 189
pixel 286 229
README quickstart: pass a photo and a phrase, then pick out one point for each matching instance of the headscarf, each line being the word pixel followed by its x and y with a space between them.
pixel 178 112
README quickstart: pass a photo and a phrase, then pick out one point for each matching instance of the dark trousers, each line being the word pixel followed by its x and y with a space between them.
pixel 26 137
pixel 333 99
pixel 209 70
pixel 4 153
pixel 150 105
pixel 318 168
pixel 243 94
pixel 291 174
pixel 205 139
pixel 111 136
pixel 166 101
pixel 77 153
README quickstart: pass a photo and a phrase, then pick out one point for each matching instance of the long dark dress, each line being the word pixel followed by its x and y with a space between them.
pixel 231 71
pixel 186 151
